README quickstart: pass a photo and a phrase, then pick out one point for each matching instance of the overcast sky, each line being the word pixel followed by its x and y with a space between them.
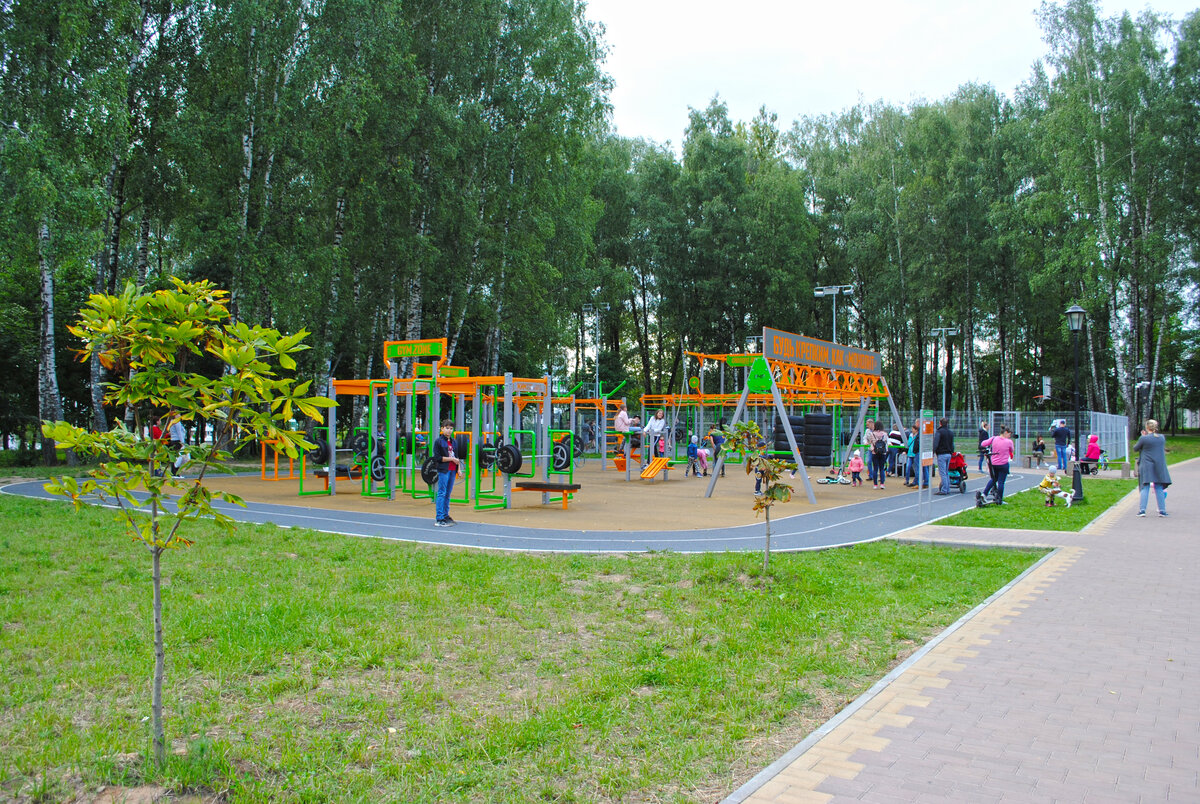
pixel 800 58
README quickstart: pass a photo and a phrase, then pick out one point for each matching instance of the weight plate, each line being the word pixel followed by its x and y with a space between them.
pixel 319 454
pixel 378 469
pixel 462 445
pixel 562 457
pixel 357 442
pixel 429 471
pixel 486 455
pixel 508 459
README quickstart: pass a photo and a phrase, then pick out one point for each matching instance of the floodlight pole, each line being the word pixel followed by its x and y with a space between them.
pixel 832 292
pixel 596 309
pixel 942 333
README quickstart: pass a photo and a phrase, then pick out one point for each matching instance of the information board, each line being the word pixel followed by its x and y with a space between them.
pixel 791 348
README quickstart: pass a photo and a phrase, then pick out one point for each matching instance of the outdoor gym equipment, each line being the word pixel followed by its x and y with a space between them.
pixel 506 436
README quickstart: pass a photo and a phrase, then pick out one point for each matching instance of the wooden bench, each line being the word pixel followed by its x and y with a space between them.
pixel 565 489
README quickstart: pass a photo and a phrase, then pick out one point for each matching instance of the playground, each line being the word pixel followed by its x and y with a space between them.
pixel 585 466
pixel 606 501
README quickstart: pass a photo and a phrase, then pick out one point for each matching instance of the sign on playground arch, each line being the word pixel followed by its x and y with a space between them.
pixel 791 348
pixel 434 347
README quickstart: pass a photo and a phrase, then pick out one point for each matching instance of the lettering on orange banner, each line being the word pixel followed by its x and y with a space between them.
pixel 792 348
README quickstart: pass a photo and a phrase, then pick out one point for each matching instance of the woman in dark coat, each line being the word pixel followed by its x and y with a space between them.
pixel 1152 467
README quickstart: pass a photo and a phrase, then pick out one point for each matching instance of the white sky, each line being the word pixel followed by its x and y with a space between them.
pixel 800 57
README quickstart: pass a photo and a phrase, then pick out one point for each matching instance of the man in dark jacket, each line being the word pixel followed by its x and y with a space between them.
pixel 943 446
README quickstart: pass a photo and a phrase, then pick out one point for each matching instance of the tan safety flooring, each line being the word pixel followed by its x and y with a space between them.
pixel 605 502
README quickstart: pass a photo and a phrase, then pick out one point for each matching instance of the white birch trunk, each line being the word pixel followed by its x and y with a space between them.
pixel 49 400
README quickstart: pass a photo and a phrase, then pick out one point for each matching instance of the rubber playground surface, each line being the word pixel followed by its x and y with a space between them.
pixel 608 514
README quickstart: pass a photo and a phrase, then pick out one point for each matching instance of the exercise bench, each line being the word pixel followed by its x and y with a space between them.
pixel 342 471
pixel 565 489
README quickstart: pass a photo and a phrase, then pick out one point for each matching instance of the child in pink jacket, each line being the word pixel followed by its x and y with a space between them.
pixel 856 466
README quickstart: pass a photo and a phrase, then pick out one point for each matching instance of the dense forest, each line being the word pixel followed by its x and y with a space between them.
pixel 376 169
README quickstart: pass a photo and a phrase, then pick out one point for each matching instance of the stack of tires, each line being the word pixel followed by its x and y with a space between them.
pixel 781 442
pixel 818 439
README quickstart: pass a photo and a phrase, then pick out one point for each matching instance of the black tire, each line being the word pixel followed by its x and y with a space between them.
pixel 792 420
pixel 784 445
pixel 486 455
pixel 429 471
pixel 818 419
pixel 818 460
pixel 819 440
pixel 561 457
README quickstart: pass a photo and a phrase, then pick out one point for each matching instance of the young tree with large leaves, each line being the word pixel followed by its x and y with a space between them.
pixel 152 343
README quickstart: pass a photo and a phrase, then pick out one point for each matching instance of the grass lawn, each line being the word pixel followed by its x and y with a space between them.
pixel 305 666
pixel 1027 510
pixel 1179 447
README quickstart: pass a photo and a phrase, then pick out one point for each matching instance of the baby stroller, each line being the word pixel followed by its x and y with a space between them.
pixel 958 472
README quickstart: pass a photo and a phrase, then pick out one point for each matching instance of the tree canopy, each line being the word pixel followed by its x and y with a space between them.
pixel 387 170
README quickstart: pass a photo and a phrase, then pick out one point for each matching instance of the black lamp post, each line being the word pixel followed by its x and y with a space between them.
pixel 1075 316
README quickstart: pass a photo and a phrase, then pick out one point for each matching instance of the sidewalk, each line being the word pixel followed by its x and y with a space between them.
pixel 1080 681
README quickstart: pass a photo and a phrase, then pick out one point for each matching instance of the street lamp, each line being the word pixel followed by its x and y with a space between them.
pixel 832 292
pixel 942 333
pixel 1075 316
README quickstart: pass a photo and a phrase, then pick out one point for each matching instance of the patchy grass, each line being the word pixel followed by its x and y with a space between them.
pixel 1027 510
pixel 305 666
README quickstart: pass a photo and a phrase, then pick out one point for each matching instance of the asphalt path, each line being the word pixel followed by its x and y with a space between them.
pixel 830 527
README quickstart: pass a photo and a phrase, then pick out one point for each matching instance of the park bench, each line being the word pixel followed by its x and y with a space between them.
pixel 565 489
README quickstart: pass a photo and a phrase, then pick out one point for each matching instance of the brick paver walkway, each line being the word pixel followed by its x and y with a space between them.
pixel 1080 682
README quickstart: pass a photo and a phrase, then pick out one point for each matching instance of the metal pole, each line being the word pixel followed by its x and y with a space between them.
pixel 835 295
pixel 1076 481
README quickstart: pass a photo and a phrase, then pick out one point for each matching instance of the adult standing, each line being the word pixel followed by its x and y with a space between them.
pixel 879 454
pixel 177 438
pixel 1062 437
pixel 1152 467
pixel 896 444
pixel 914 457
pixel 1002 451
pixel 656 433
pixel 869 443
pixel 984 435
pixel 943 447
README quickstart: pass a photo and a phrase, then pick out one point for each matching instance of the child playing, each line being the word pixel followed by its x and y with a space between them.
pixel 856 466
pixel 693 456
pixel 1049 486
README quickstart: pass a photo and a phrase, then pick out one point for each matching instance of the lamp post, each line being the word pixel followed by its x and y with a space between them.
pixel 942 333
pixel 1139 379
pixel 832 292
pixel 1075 315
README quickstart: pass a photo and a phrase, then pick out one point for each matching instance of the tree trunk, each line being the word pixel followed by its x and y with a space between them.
pixel 767 545
pixel 95 370
pixel 158 739
pixel 49 401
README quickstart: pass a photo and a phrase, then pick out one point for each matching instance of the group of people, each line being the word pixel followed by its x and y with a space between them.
pixel 896 453
pixel 655 433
